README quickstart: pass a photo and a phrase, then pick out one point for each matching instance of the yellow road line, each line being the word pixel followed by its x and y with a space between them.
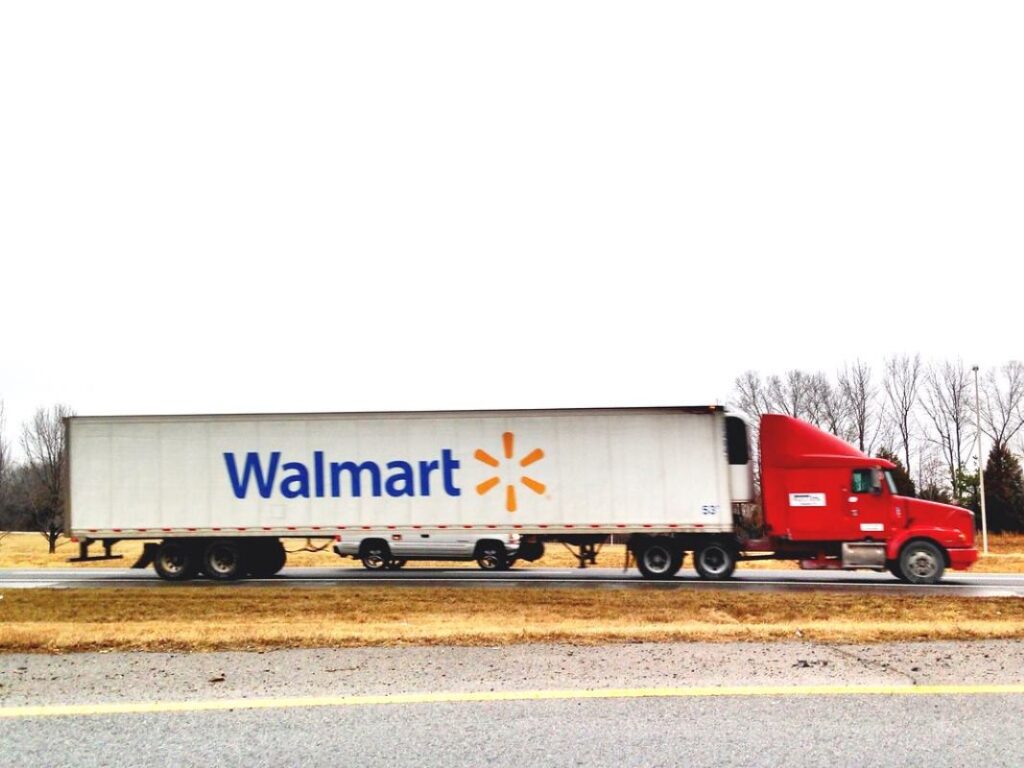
pixel 452 697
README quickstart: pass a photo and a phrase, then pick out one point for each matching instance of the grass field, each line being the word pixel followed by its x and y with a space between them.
pixel 194 618
pixel 27 550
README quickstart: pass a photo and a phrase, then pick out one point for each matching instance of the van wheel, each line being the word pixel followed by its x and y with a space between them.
pixel 491 556
pixel 921 562
pixel 375 555
pixel 176 561
pixel 659 559
pixel 224 560
pixel 715 561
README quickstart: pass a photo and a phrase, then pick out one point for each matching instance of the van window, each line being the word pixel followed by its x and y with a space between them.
pixel 736 444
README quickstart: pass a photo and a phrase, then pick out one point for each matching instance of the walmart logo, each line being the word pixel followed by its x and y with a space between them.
pixel 508 443
pixel 319 478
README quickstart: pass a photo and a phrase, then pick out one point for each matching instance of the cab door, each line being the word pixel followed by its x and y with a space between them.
pixel 868 506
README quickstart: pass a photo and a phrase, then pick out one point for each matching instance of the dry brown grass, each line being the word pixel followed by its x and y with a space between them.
pixel 203 619
pixel 26 550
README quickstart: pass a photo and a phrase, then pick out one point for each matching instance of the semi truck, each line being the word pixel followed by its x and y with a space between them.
pixel 216 495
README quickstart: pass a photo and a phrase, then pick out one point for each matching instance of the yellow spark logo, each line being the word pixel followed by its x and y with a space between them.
pixel 508 443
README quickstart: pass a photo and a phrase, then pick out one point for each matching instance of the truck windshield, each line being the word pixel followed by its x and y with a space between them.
pixel 890 482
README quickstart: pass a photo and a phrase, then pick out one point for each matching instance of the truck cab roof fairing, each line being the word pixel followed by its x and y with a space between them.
pixel 788 442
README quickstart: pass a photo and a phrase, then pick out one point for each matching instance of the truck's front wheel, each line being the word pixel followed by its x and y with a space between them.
pixel 659 559
pixel 715 561
pixel 176 561
pixel 921 562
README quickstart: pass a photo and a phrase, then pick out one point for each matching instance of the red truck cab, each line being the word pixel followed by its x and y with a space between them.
pixel 830 505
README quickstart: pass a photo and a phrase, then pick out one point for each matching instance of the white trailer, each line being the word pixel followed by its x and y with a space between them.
pixel 220 491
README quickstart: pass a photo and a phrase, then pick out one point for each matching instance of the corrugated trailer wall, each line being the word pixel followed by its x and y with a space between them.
pixel 543 471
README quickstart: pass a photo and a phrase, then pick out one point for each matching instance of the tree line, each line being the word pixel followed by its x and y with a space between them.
pixel 923 416
pixel 32 489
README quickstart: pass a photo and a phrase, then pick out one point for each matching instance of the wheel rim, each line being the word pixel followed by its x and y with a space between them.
pixel 172 562
pixel 489 560
pixel 714 560
pixel 222 561
pixel 374 559
pixel 657 559
pixel 922 564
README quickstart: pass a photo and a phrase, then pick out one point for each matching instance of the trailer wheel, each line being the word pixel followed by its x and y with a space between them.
pixel 491 556
pixel 659 559
pixel 176 561
pixel 375 554
pixel 224 560
pixel 266 557
pixel 715 561
pixel 921 562
pixel 396 564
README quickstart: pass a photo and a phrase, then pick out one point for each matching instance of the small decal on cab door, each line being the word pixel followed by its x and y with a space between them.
pixel 807 499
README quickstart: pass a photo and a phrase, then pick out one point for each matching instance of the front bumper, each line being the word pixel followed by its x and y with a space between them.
pixel 962 559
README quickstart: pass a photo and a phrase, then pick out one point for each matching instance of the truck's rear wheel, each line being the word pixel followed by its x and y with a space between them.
pixel 176 561
pixel 224 560
pixel 921 562
pixel 658 559
pixel 375 555
pixel 715 561
pixel 266 557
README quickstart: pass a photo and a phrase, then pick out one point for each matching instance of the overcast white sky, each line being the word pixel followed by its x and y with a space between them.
pixel 259 206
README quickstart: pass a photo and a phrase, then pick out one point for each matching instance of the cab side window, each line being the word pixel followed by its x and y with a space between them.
pixel 861 481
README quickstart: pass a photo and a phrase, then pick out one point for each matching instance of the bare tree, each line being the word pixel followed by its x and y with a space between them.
pixel 829 408
pixel 5 461
pixel 1002 411
pixel 901 383
pixel 791 394
pixel 946 399
pixel 860 395
pixel 43 443
pixel 752 395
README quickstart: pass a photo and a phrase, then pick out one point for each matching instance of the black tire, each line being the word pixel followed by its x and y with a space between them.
pixel 396 564
pixel 266 558
pixel 491 556
pixel 893 567
pixel 659 559
pixel 530 551
pixel 224 559
pixel 715 561
pixel 375 555
pixel 922 562
pixel 176 561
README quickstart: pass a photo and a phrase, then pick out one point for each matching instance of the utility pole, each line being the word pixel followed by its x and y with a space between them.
pixel 981 464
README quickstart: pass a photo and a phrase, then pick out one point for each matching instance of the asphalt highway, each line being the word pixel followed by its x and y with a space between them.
pixel 954 583
pixel 748 704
